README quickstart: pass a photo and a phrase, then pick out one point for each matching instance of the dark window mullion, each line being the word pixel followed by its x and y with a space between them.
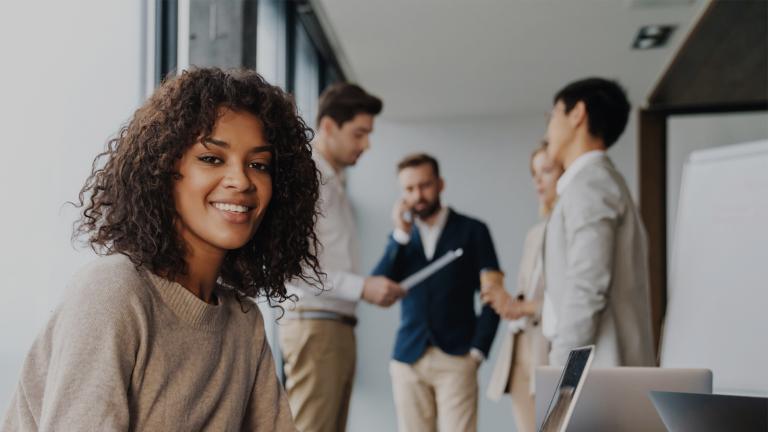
pixel 290 46
pixel 166 42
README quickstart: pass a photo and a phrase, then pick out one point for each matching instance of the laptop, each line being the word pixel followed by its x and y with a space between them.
pixel 692 412
pixel 616 399
pixel 566 393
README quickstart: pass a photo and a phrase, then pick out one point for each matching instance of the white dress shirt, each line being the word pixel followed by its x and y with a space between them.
pixel 548 313
pixel 338 255
pixel 429 234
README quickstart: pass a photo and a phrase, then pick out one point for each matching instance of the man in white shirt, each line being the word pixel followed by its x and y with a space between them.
pixel 317 335
pixel 595 252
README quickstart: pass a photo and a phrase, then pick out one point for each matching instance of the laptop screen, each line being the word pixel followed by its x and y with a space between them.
pixel 567 390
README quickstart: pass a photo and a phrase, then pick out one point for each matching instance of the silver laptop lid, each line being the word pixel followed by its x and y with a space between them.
pixel 616 399
pixel 568 388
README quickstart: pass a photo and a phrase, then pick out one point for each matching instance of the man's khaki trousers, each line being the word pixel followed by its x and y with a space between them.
pixel 439 391
pixel 319 360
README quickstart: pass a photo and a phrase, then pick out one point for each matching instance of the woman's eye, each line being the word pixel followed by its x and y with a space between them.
pixel 260 166
pixel 212 160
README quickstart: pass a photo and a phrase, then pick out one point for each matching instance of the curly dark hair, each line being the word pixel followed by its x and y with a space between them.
pixel 127 200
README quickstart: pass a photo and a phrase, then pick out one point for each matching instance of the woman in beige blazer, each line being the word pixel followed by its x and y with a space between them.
pixel 524 346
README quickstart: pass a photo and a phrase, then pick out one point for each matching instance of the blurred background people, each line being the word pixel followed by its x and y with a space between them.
pixel 523 345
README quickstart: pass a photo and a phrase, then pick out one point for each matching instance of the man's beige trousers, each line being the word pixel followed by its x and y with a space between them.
pixel 439 391
pixel 319 360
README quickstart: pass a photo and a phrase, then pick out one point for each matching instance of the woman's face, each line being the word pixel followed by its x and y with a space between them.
pixel 545 175
pixel 225 185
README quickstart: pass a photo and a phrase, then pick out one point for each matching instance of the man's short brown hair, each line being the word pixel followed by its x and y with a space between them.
pixel 343 101
pixel 418 159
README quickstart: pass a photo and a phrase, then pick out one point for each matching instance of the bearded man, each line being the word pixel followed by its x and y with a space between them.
pixel 441 341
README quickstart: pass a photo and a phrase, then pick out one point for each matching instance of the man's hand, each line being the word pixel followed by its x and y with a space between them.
pixel 477 356
pixel 382 291
pixel 399 218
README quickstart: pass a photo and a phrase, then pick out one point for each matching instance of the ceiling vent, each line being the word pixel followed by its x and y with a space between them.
pixel 653 36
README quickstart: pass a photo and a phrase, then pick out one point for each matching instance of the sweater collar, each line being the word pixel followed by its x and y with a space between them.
pixel 188 307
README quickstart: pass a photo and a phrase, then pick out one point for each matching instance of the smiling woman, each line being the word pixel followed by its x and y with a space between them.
pixel 206 198
pixel 197 120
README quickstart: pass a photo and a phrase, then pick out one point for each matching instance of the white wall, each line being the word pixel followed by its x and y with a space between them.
pixel 485 165
pixel 70 76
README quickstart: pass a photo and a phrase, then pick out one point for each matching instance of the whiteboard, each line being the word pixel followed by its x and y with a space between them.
pixel 717 304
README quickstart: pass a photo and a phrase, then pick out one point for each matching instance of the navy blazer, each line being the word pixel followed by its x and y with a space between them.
pixel 440 311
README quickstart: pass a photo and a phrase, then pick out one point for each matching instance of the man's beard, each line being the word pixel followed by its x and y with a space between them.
pixel 428 211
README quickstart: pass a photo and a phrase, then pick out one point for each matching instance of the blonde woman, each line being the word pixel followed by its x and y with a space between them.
pixel 524 347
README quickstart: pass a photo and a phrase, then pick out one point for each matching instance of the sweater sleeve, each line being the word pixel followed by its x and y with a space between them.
pixel 77 373
pixel 267 408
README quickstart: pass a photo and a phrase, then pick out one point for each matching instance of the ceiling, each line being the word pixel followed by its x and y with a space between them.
pixel 431 59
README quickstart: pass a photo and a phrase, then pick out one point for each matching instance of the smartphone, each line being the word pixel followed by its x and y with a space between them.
pixel 408 216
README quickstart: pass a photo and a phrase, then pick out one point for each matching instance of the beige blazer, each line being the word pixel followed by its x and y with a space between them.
pixel 539 346
pixel 596 272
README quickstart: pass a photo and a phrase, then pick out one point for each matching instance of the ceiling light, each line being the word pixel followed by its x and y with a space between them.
pixel 653 36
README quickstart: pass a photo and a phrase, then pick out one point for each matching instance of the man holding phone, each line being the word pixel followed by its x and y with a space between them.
pixel 441 340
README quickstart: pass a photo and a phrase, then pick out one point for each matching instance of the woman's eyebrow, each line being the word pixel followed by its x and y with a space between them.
pixel 216 142
pixel 265 148
pixel 224 144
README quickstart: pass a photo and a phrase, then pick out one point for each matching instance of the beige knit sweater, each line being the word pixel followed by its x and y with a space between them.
pixel 127 350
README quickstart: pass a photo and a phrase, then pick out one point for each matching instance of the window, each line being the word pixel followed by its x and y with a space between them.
pixel 282 39
pixel 306 79
pixel 222 33
pixel 272 41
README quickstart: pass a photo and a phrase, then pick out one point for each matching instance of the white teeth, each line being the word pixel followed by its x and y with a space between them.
pixel 231 207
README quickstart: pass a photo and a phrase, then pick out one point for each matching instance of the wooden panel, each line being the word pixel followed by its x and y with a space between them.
pixel 723 63
pixel 652 159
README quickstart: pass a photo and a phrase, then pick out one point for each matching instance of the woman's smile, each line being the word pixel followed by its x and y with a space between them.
pixel 234 212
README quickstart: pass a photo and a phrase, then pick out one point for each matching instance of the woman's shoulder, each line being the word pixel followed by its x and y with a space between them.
pixel 108 279
pixel 105 300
